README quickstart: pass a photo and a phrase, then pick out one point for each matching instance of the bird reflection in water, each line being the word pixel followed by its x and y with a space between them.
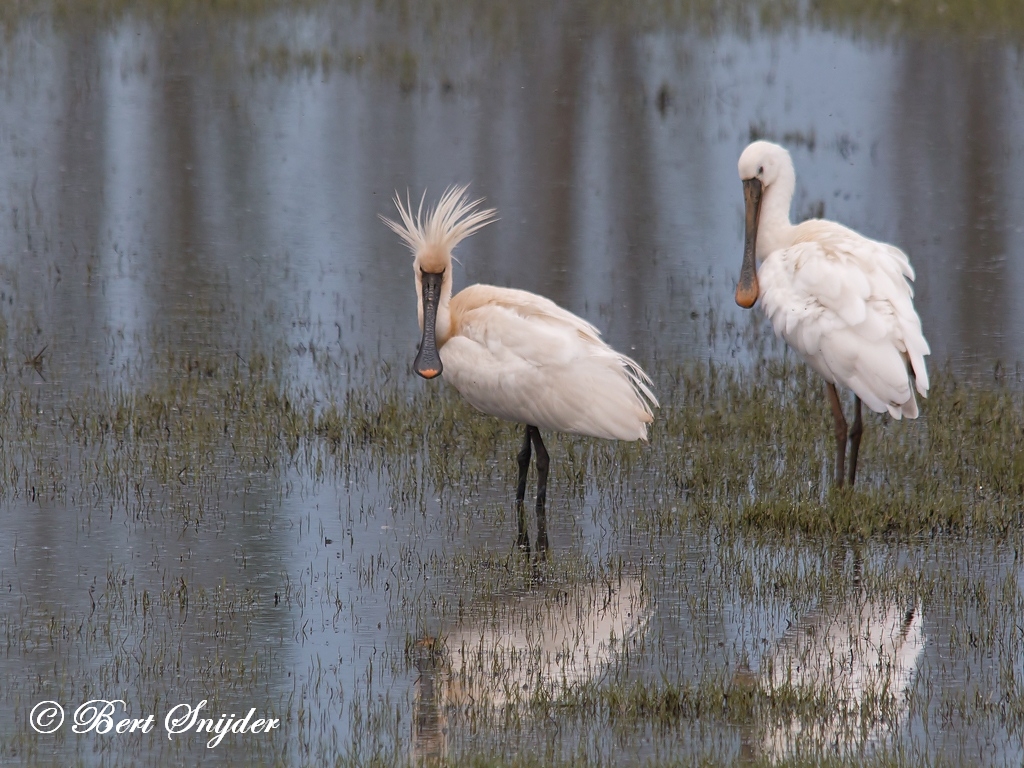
pixel 532 647
pixel 855 662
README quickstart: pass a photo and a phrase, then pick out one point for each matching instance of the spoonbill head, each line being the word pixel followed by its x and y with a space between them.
pixel 762 165
pixel 841 300
pixel 431 238
pixel 514 354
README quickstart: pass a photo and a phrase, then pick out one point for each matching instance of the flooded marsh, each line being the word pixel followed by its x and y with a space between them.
pixel 319 560
pixel 221 482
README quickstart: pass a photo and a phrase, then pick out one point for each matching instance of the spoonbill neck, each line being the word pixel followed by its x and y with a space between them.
pixel 774 228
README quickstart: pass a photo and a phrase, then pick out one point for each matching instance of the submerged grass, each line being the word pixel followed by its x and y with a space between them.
pixel 749 450
pixel 757 454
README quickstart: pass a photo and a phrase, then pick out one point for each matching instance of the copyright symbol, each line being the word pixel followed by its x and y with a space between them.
pixel 46 717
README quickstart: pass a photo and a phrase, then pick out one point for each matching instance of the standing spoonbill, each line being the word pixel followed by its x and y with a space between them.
pixel 514 354
pixel 842 301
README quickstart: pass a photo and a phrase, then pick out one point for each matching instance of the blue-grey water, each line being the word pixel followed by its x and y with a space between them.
pixel 203 185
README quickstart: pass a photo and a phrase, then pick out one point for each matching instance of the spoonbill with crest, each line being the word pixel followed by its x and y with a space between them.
pixel 841 300
pixel 514 354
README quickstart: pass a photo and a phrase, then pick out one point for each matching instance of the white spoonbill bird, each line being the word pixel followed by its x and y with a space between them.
pixel 513 354
pixel 842 301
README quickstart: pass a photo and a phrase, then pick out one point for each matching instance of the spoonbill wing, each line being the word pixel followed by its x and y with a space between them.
pixel 523 358
pixel 844 303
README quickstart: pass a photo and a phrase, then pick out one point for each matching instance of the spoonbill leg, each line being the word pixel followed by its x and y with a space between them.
pixel 841 432
pixel 523 542
pixel 543 462
pixel 855 433
pixel 542 492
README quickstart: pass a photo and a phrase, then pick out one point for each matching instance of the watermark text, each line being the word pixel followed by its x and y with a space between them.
pixel 108 716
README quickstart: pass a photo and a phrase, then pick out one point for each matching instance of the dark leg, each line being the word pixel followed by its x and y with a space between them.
pixel 523 542
pixel 840 420
pixel 855 432
pixel 542 492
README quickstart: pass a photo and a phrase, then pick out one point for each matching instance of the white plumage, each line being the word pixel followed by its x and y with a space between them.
pixel 514 354
pixel 521 357
pixel 844 302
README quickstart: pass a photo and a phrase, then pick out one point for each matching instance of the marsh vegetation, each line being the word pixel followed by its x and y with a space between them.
pixel 220 481
pixel 682 576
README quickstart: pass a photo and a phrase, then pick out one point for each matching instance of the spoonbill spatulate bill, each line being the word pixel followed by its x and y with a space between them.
pixel 514 354
pixel 841 300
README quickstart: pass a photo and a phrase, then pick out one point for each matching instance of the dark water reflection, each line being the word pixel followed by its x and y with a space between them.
pixel 158 177
pixel 212 186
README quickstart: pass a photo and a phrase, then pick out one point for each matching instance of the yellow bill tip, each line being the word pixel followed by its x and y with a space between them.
pixel 746 295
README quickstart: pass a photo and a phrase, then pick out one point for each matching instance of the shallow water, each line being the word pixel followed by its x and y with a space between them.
pixel 208 189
